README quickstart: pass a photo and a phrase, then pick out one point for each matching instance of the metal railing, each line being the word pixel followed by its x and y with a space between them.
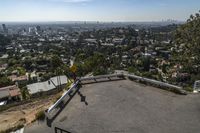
pixel 59 130
pixel 196 87
pixel 63 96
pixel 158 83
pixel 101 77
pixel 75 86
pixel 151 81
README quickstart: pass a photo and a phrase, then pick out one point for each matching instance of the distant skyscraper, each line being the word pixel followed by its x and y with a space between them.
pixel 5 30
pixel 38 28
pixel 4 26
pixel 29 29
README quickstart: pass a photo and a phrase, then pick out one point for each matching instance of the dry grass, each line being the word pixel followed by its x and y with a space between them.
pixel 12 117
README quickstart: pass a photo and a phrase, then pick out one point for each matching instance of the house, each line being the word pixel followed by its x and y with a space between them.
pixel 91 40
pixel 5 56
pixel 16 78
pixel 4 94
pixel 164 53
pixel 42 67
pixel 9 93
pixel 3 67
pixel 107 44
pixel 117 41
pixel 49 86
pixel 183 77
pixel 32 75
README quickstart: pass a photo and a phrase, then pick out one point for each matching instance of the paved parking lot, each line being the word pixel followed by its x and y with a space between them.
pixel 127 107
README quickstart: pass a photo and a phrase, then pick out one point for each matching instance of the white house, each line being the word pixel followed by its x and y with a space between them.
pixel 47 86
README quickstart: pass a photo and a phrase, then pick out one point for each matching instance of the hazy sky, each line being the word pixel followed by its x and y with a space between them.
pixel 97 10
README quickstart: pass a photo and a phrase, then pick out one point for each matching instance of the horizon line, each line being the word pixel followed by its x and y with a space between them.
pixel 94 21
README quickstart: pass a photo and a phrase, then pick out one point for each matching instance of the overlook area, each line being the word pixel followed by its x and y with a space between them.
pixel 99 66
pixel 125 106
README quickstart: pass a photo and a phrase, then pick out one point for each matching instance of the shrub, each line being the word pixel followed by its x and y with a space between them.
pixel 132 70
pixel 40 115
pixel 188 88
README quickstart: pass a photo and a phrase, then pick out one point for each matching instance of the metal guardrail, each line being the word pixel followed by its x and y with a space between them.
pixel 196 87
pixel 63 96
pixel 59 130
pixel 159 83
pixel 101 77
pixel 75 85
pixel 152 81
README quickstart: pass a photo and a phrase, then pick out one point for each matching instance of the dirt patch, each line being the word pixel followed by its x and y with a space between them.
pixel 26 112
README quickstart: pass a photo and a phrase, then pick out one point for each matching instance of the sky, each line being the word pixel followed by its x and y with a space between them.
pixel 96 10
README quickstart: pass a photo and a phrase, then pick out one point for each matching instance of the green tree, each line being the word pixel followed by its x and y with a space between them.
pixel 25 93
pixel 146 63
pixel 56 62
pixel 4 81
pixel 187 52
pixel 96 64
pixel 99 71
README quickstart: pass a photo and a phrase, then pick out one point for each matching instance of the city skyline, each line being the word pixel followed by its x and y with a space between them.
pixel 96 10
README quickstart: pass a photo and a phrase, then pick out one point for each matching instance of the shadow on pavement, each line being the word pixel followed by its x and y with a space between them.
pixel 83 98
pixel 61 106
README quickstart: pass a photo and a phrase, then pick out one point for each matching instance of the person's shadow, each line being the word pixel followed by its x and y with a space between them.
pixel 83 98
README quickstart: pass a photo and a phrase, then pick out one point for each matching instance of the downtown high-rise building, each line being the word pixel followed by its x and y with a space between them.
pixel 5 30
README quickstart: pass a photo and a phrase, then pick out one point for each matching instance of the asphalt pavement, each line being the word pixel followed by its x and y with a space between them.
pixel 125 106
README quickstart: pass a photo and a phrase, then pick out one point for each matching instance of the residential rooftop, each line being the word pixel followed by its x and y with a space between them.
pixel 51 84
